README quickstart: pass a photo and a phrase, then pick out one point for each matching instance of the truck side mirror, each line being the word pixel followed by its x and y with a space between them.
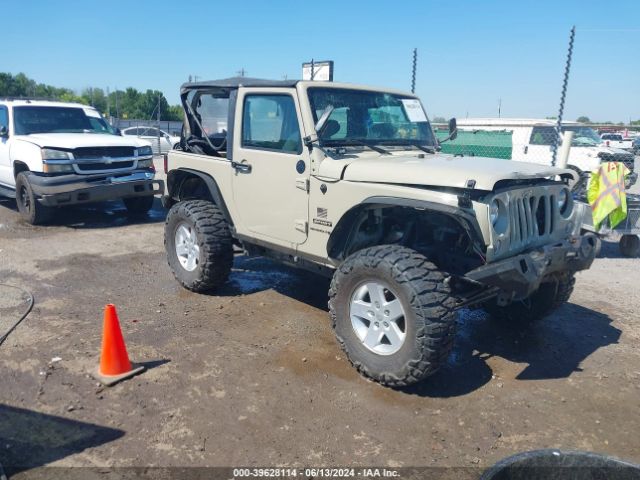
pixel 453 128
pixel 4 132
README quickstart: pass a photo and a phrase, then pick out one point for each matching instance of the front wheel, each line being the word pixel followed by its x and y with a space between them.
pixel 549 296
pixel 31 210
pixel 198 244
pixel 393 314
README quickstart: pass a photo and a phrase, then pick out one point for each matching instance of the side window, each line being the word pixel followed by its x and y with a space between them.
pixel 4 118
pixel 542 136
pixel 270 122
pixel 150 132
pixel 131 131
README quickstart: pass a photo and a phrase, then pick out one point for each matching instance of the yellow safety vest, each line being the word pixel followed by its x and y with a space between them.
pixel 606 193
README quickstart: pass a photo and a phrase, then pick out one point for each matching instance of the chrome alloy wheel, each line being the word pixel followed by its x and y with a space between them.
pixel 187 249
pixel 377 318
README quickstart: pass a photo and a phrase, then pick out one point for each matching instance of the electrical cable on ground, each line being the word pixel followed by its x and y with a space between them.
pixel 29 295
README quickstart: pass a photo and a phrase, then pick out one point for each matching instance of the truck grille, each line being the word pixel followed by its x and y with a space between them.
pixel 530 219
pixel 101 152
pixel 92 167
pixel 626 158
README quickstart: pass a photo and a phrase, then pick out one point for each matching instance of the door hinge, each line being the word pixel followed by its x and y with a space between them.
pixel 301 226
pixel 302 184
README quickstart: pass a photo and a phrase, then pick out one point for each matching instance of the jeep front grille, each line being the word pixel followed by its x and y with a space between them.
pixel 530 219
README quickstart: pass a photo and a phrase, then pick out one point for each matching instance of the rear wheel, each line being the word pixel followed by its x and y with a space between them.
pixel 549 296
pixel 578 187
pixel 393 314
pixel 198 244
pixel 138 205
pixel 29 207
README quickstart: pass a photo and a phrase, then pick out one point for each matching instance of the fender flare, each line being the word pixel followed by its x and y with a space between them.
pixel 342 231
pixel 177 176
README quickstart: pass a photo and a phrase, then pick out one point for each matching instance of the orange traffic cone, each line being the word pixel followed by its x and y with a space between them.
pixel 114 361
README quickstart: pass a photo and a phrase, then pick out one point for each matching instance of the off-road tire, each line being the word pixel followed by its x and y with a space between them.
pixel 138 205
pixel 213 239
pixel 430 318
pixel 549 296
pixel 30 209
pixel 629 245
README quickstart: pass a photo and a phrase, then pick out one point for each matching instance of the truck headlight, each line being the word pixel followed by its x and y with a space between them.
pixel 144 151
pixel 148 163
pixel 55 154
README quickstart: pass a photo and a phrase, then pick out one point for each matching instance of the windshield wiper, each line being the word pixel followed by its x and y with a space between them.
pixel 412 144
pixel 353 141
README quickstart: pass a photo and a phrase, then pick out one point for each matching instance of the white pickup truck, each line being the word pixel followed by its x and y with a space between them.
pixel 56 154
pixel 616 140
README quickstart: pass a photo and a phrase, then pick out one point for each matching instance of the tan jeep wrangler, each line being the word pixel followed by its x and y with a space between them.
pixel 347 181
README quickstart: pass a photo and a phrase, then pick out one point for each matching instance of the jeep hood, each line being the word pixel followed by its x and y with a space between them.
pixel 69 141
pixel 443 170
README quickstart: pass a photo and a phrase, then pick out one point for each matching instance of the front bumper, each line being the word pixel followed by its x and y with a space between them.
pixel 522 274
pixel 75 189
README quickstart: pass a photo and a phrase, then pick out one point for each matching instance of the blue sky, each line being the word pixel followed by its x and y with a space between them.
pixel 471 53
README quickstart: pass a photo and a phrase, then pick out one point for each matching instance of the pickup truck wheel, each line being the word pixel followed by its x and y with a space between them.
pixel 547 298
pixel 30 209
pixel 138 205
pixel 198 244
pixel 393 314
pixel 629 245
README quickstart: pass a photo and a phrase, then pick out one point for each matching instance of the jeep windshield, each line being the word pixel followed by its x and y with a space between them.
pixel 363 117
pixel 34 119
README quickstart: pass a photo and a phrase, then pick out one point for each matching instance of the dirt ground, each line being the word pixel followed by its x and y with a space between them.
pixel 253 376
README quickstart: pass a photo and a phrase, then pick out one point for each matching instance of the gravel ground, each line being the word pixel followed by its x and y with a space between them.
pixel 253 375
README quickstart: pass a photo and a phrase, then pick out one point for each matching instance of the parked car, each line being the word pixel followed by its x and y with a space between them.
pixel 616 140
pixel 346 181
pixel 56 154
pixel 636 146
pixel 150 134
pixel 531 140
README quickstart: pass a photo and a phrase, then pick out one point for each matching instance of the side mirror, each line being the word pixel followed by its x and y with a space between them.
pixel 4 132
pixel 453 128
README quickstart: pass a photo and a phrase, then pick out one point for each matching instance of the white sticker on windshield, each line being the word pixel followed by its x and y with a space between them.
pixel 414 110
pixel 90 112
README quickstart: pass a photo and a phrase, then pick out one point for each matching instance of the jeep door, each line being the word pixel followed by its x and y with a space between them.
pixel 6 171
pixel 271 166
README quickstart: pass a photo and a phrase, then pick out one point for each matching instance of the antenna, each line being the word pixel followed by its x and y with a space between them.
pixel 413 70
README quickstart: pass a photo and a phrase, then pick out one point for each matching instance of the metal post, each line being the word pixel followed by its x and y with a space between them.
pixel 567 67
pixel 158 129
pixel 413 70
pixel 566 148
pixel 313 73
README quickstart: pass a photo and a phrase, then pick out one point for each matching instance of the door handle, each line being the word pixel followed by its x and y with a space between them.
pixel 241 167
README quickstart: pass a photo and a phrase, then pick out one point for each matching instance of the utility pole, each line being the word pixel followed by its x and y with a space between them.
pixel 413 70
pixel 242 72
pixel 108 105
pixel 499 107
pixel 158 129
pixel 563 95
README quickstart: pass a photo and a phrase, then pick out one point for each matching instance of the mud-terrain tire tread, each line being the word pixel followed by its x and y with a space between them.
pixel 38 214
pixel 549 297
pixel 431 303
pixel 214 240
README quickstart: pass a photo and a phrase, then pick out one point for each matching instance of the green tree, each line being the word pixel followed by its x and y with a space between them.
pixel 439 120
pixel 583 119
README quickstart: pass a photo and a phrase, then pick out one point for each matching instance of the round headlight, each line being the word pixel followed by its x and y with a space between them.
pixel 563 199
pixel 494 212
